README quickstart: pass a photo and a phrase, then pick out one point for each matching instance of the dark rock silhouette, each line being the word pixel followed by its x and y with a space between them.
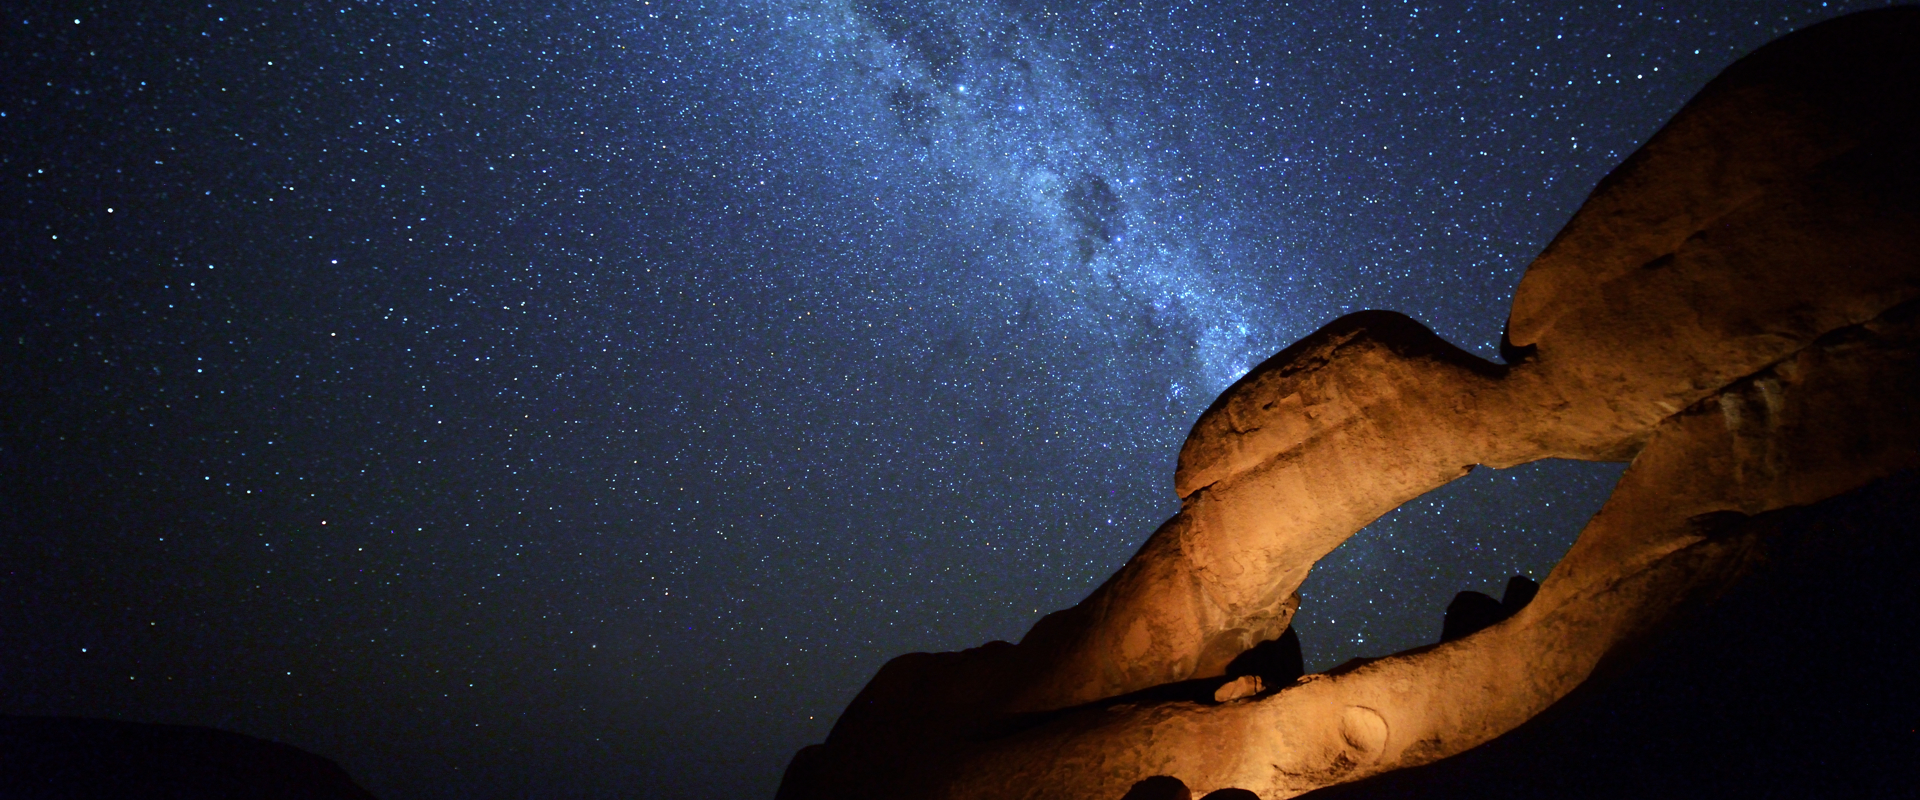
pixel 1472 612
pixel 1159 787
pixel 1709 710
pixel 1520 592
pixel 65 758
pixel 1277 662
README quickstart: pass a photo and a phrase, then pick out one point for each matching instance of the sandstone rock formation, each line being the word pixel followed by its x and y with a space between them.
pixel 1798 682
pixel 1276 663
pixel 1733 310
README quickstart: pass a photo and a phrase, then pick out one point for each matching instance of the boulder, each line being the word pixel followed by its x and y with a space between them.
pixel 1238 688
pixel 1471 612
pixel 1520 592
pixel 1158 787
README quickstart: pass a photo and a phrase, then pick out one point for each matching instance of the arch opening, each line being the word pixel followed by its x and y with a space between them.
pixel 1387 588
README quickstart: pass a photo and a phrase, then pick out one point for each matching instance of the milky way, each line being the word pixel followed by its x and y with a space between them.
pixel 507 400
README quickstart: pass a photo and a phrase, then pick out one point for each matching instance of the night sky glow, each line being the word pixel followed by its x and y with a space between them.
pixel 512 400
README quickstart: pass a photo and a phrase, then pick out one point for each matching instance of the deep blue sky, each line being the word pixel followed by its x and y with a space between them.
pixel 584 401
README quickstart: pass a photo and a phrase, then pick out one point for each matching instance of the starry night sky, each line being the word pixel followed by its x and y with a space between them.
pixel 511 400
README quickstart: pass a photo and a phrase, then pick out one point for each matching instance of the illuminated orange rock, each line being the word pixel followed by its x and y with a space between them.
pixel 1810 427
pixel 1732 310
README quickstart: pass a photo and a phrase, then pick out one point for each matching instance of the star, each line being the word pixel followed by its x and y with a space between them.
pixel 661 370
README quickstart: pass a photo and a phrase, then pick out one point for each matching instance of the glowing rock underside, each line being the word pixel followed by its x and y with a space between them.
pixel 1733 309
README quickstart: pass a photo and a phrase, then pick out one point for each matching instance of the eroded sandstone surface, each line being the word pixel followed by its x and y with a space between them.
pixel 1733 309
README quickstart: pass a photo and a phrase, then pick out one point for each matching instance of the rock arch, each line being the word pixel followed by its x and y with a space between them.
pixel 1733 309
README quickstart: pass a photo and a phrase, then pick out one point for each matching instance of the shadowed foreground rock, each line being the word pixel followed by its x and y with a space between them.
pixel 1796 683
pixel 1733 309
pixel 65 758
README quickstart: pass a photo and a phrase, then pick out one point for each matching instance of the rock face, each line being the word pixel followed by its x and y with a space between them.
pixel 1798 682
pixel 1276 663
pixel 64 758
pixel 1733 310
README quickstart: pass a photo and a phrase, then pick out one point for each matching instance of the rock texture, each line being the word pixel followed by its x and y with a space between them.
pixel 1733 310
pixel 1276 663
pixel 65 758
pixel 1796 683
